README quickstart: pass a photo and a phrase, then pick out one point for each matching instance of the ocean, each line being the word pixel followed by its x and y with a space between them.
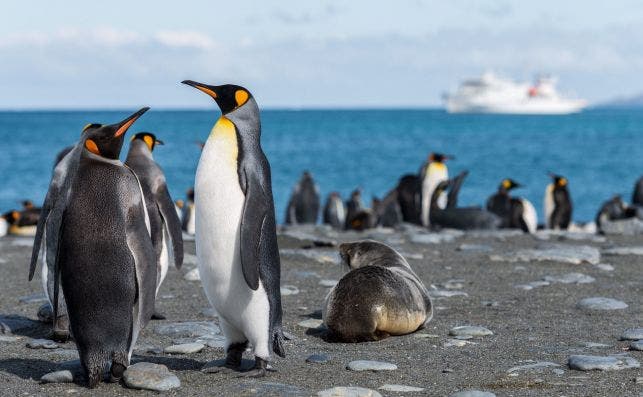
pixel 600 151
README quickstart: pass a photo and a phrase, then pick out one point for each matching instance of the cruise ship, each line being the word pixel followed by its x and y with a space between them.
pixel 493 94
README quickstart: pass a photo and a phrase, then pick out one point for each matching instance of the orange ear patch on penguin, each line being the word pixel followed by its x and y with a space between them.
pixel 241 97
pixel 92 147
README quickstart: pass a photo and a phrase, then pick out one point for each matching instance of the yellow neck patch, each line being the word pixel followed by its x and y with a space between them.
pixel 92 147
pixel 225 133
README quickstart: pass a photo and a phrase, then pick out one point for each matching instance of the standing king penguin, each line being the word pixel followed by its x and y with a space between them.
pixel 515 213
pixel 236 238
pixel 432 173
pixel 104 259
pixel 557 203
pixel 303 206
pixel 165 225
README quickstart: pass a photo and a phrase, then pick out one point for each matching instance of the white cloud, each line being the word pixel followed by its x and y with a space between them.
pixel 185 38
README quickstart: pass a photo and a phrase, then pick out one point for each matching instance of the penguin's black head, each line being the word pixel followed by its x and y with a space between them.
pixel 440 157
pixel 11 217
pixel 150 139
pixel 190 194
pixel 107 140
pixel 559 181
pixel 27 204
pixel 228 96
pixel 508 184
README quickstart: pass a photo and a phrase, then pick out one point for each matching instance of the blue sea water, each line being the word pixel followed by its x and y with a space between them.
pixel 600 151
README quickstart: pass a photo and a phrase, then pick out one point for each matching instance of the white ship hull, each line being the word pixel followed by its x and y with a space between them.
pixel 491 94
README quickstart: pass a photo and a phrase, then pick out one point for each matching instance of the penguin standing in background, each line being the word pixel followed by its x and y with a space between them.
pixel 515 213
pixel 557 204
pixel 637 195
pixel 432 173
pixel 165 226
pixel 188 219
pixel 353 207
pixel 334 211
pixel 107 273
pixel 409 198
pixel 387 210
pixel 303 206
pixel 236 237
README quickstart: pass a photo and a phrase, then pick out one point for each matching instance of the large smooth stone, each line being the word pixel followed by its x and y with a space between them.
pixel 632 334
pixel 368 365
pixel 42 344
pixel 185 348
pixel 538 366
pixel 472 393
pixel 603 363
pixel 401 388
pixel 64 376
pixel 193 275
pixel 570 278
pixel 345 391
pixel 624 251
pixel 187 329
pixel 310 323
pixel 150 376
pixel 600 303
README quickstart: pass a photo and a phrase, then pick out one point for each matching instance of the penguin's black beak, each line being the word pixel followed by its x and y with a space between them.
pixel 159 142
pixel 124 125
pixel 208 89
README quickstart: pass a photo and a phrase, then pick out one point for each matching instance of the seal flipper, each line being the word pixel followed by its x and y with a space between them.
pixel 171 223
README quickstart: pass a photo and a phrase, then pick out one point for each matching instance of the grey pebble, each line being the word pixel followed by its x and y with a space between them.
pixel 369 365
pixel 603 363
pixel 310 323
pixel 289 290
pixel 64 376
pixel 436 293
pixel 348 391
pixel 637 345
pixel 472 393
pixel 601 303
pixel 474 248
pixel 328 283
pixel 573 254
pixel 318 359
pixel 571 278
pixel 42 344
pixel 150 376
pixel 632 334
pixel 470 330
pixel 537 366
pixel 185 348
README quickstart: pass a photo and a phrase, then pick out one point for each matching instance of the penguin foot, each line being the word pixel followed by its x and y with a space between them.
pixel 259 371
pixel 158 315
pixel 59 336
pixel 116 372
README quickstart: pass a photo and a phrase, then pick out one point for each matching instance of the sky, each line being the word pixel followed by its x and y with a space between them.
pixel 301 54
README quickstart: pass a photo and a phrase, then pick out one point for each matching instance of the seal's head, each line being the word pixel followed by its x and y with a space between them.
pixel 362 253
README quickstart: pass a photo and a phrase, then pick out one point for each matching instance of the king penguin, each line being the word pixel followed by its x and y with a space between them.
pixel 334 211
pixel 432 173
pixel 303 206
pixel 236 238
pixel 637 194
pixel 557 203
pixel 103 256
pixel 188 210
pixel 165 225
pixel 515 213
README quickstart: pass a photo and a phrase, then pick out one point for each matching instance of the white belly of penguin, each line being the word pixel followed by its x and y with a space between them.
pixel 219 205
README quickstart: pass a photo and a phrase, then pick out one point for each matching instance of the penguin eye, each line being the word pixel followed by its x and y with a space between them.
pixel 241 96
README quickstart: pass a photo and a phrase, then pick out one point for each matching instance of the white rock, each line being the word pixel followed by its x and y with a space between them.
pixel 605 267
pixel 310 323
pixel 571 278
pixel 328 283
pixel 150 376
pixel 624 251
pixel 368 365
pixel 348 391
pixel 472 393
pixel 637 345
pixel 42 344
pixel 574 254
pixel 600 303
pixel 437 293
pixel 470 330
pixel 185 348
pixel 401 388
pixel 432 238
pixel 457 343
pixel 64 376
pixel 193 275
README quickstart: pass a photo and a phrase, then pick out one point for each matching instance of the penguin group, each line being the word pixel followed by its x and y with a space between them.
pixel 429 199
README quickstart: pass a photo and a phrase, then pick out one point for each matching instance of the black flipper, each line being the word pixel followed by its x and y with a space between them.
pixel 171 223
pixel 454 189
pixel 252 220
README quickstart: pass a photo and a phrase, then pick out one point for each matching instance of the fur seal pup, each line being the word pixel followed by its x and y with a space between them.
pixel 303 206
pixel 380 296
